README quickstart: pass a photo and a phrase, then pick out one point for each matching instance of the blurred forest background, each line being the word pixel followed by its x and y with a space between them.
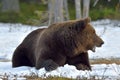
pixel 45 12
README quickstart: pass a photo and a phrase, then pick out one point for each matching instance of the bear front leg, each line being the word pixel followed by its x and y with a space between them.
pixel 49 65
pixel 84 63
pixel 81 61
pixel 82 67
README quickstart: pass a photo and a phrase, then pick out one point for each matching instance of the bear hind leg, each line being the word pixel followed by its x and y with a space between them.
pixel 20 60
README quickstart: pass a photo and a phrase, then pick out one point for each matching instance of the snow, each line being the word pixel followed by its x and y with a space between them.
pixel 102 71
pixel 111 38
pixel 11 35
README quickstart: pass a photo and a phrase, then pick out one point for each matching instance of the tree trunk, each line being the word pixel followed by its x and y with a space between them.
pixel 66 15
pixel 58 11
pixel 10 5
pixel 86 4
pixel 55 10
pixel 50 11
pixel 78 8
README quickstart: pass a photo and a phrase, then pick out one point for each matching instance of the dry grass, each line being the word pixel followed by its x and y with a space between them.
pixel 31 77
pixel 4 60
pixel 48 78
pixel 105 61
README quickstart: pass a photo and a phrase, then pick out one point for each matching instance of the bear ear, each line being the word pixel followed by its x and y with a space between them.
pixel 81 24
pixel 87 20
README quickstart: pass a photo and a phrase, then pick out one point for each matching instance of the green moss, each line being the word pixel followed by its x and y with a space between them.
pixel 27 13
pixel 104 13
pixel 71 9
pixel 32 13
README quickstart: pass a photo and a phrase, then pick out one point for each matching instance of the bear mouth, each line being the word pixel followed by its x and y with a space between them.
pixel 93 49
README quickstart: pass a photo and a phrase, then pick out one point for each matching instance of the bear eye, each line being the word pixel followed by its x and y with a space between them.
pixel 93 31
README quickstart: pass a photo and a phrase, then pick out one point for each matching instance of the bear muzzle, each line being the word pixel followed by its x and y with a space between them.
pixel 99 45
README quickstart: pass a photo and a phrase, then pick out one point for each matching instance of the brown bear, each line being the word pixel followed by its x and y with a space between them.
pixel 57 45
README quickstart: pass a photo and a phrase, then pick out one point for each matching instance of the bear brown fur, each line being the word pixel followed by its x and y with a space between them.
pixel 57 45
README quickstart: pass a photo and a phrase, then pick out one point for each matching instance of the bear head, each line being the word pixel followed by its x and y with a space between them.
pixel 86 37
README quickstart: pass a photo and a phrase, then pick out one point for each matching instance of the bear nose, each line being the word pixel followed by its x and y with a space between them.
pixel 102 43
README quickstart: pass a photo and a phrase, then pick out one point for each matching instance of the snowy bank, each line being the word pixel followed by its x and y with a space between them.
pixel 103 71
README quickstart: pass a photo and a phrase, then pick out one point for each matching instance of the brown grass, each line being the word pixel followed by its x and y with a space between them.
pixel 105 61
pixel 4 60
pixel 48 78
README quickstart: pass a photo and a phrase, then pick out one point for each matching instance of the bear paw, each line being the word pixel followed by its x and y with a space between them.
pixel 50 65
pixel 83 67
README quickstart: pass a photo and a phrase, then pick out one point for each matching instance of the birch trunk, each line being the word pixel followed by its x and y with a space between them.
pixel 58 11
pixel 86 4
pixel 78 8
pixel 66 15
pixel 50 11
